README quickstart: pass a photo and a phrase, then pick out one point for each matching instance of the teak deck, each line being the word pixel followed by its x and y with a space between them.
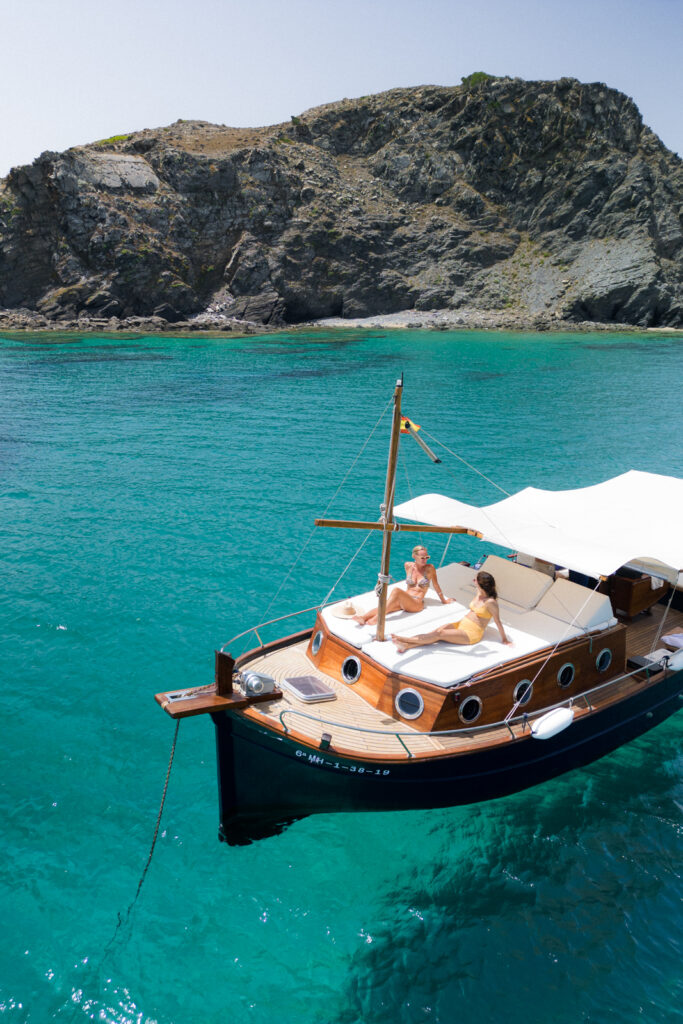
pixel 642 632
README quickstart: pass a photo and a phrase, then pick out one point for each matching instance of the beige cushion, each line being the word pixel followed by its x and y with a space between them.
pixel 434 613
pixel 571 602
pixel 516 583
pixel 452 578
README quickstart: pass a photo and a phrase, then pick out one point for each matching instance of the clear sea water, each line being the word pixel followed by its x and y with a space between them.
pixel 154 494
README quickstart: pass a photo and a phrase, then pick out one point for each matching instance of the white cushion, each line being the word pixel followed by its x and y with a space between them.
pixel 447 664
pixel 452 578
pixel 516 583
pixel 545 628
pixel 353 633
pixel 570 602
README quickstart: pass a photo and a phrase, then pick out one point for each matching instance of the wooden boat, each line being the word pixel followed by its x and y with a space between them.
pixel 335 718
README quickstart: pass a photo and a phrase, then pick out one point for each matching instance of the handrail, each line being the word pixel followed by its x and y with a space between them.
pixel 414 734
pixel 281 618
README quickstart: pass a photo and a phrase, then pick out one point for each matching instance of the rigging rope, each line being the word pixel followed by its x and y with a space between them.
pixel 466 463
pixel 479 473
pixel 329 504
pixel 410 489
pixel 445 550
pixel 347 567
pixel 489 480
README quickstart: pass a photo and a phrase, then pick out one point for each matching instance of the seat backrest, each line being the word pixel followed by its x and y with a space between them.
pixel 452 578
pixel 516 583
pixel 570 602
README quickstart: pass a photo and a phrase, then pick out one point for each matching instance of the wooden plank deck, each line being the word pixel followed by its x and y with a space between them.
pixel 348 711
pixel 642 633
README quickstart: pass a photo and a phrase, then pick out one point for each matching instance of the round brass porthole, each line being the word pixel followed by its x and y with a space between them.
pixel 350 669
pixel 316 642
pixel 409 704
pixel 523 692
pixel 470 709
pixel 565 677
pixel 603 660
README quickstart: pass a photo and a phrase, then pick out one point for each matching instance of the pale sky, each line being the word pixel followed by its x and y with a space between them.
pixel 80 70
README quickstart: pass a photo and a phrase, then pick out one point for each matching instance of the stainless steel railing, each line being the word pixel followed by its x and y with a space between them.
pixel 270 622
pixel 466 730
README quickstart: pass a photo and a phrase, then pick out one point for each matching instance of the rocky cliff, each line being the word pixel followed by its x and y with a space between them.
pixel 532 199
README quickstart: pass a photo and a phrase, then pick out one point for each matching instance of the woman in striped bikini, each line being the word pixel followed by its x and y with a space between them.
pixel 419 576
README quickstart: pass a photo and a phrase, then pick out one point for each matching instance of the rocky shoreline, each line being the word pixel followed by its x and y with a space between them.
pixel 26 320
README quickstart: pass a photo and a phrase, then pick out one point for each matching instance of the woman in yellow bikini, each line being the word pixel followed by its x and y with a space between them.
pixel 470 629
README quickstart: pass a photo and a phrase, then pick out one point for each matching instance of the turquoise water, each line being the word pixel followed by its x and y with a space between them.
pixel 154 494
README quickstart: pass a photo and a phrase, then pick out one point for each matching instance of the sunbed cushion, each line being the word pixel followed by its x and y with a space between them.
pixel 570 602
pixel 452 578
pixel 517 583
pixel 434 613
pixel 447 664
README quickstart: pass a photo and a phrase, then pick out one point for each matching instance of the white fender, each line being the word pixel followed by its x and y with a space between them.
pixel 676 660
pixel 553 722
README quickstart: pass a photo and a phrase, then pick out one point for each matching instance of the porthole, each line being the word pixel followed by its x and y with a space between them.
pixel 409 704
pixel 565 677
pixel 523 692
pixel 351 669
pixel 316 642
pixel 469 710
pixel 603 660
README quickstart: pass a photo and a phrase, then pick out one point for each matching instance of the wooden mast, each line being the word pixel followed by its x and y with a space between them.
pixel 387 517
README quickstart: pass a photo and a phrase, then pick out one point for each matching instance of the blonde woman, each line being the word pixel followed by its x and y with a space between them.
pixel 419 576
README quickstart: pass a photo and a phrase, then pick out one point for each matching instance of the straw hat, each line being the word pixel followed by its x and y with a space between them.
pixel 344 611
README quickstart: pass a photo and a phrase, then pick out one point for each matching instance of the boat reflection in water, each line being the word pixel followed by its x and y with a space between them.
pixel 336 718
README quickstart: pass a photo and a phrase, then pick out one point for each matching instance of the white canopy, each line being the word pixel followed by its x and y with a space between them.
pixel 633 519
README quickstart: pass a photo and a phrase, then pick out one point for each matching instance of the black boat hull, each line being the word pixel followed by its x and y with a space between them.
pixel 267 780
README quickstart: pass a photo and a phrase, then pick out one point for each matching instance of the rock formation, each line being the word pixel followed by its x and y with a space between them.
pixel 535 200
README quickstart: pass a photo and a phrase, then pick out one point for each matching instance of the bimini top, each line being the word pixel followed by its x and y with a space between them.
pixel 634 519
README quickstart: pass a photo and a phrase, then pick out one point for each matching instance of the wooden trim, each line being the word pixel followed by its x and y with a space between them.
pixel 630 596
pixel 224 666
pixel 352 524
pixel 202 702
pixel 496 690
